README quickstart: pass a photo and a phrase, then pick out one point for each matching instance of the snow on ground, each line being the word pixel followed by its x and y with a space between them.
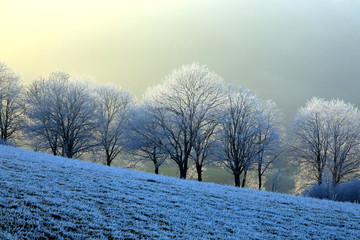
pixel 43 196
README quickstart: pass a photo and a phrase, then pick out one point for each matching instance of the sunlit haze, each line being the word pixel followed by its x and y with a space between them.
pixel 285 50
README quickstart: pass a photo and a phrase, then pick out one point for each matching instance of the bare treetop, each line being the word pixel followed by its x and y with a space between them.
pixel 181 106
pixel 326 135
pixel 12 104
pixel 60 114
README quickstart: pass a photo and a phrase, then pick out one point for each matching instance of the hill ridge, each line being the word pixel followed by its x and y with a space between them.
pixel 43 196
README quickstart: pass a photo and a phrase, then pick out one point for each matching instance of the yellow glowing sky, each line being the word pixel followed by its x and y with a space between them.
pixel 280 49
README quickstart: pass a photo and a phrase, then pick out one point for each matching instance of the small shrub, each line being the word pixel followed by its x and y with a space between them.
pixel 344 192
pixel 7 142
pixel 348 191
pixel 323 191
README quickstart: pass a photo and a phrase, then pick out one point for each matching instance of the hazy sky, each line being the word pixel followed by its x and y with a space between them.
pixel 285 50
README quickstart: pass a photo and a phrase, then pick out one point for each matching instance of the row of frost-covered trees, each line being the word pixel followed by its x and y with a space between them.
pixel 192 118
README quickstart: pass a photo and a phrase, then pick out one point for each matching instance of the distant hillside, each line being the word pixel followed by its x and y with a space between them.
pixel 42 197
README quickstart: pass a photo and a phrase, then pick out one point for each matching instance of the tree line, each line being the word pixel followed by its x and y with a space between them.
pixel 192 117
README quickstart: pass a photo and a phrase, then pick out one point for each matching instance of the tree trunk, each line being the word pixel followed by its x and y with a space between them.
pixel 69 151
pixel 199 171
pixel 183 170
pixel 319 181
pixel 260 178
pixel 336 179
pixel 69 155
pixel 108 158
pixel 156 170
pixel 183 173
pixel 54 151
pixel 319 169
pixel 237 179
pixel 244 179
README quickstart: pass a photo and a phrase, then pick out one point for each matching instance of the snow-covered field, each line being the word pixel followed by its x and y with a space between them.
pixel 43 196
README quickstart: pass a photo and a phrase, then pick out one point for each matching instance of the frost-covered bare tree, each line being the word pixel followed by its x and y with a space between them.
pixel 181 107
pixel 203 147
pixel 327 134
pixel 237 144
pixel 61 113
pixel 309 137
pixel 113 114
pixel 144 140
pixel 40 127
pixel 268 135
pixel 309 140
pixel 343 128
pixel 204 141
pixel 12 103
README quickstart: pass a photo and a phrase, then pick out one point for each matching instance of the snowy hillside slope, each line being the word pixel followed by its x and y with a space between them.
pixel 42 197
